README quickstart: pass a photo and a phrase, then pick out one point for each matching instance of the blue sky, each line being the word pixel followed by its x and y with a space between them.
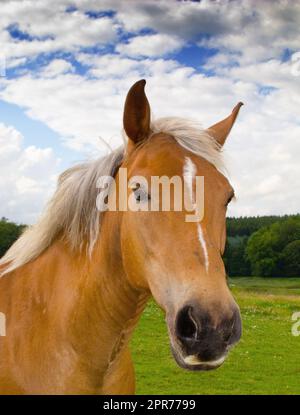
pixel 69 65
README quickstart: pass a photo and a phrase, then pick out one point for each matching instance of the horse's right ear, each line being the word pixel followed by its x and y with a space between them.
pixel 136 118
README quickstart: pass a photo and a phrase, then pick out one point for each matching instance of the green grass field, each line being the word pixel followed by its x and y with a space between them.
pixel 266 361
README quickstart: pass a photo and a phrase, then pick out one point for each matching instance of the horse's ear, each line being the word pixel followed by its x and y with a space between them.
pixel 221 130
pixel 136 118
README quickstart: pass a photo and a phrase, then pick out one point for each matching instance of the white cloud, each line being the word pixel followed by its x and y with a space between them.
pixel 120 66
pixel 150 45
pixel 83 109
pixel 184 19
pixel 249 44
pixel 50 28
pixel 263 143
pixel 255 33
pixel 270 73
pixel 263 34
pixel 27 177
pixel 57 67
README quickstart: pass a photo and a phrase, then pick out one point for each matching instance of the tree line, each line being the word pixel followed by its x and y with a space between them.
pixel 9 232
pixel 265 246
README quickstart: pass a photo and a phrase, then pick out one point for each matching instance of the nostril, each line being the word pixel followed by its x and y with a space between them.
pixel 227 336
pixel 228 330
pixel 186 326
pixel 232 331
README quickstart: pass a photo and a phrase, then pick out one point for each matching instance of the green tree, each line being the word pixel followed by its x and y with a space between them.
pixel 290 259
pixel 234 257
pixel 9 232
pixel 246 225
pixel 265 247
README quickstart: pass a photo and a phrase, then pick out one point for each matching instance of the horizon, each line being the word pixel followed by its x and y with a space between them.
pixel 227 217
pixel 65 72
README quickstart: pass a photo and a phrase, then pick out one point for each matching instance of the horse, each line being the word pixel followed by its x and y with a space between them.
pixel 75 284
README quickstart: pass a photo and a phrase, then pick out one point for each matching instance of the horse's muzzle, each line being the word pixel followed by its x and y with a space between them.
pixel 200 344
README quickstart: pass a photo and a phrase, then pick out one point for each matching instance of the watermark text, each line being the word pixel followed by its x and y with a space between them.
pixel 2 324
pixel 157 193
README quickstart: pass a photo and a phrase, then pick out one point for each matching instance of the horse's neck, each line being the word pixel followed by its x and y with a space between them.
pixel 109 306
pixel 83 309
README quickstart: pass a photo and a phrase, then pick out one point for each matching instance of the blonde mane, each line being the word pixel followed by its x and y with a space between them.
pixel 72 211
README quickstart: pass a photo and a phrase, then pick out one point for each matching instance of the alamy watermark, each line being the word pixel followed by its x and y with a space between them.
pixel 296 325
pixel 159 193
pixel 2 325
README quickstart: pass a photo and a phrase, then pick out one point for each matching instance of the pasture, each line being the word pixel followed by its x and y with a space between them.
pixel 266 361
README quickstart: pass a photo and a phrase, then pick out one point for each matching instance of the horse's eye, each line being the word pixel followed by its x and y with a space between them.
pixel 141 195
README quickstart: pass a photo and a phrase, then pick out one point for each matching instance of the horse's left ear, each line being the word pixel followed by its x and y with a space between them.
pixel 221 130
pixel 136 118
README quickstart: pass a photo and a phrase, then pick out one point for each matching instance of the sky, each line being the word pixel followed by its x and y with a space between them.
pixel 66 67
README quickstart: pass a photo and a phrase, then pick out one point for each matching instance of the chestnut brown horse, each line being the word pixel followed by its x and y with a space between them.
pixel 74 285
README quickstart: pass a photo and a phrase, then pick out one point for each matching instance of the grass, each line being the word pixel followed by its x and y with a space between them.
pixel 266 361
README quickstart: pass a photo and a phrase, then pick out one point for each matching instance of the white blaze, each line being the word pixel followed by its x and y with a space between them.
pixel 203 244
pixel 189 173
